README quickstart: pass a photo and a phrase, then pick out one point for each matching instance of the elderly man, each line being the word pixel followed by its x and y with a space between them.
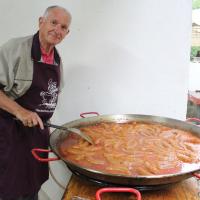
pixel 30 80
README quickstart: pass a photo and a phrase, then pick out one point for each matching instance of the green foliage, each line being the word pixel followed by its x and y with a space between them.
pixel 195 4
pixel 194 51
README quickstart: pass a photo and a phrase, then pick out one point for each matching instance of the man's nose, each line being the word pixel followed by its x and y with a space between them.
pixel 58 28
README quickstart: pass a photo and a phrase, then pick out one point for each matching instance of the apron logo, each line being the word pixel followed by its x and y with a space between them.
pixel 49 97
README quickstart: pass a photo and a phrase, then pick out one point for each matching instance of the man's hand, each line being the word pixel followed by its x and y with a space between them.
pixel 29 118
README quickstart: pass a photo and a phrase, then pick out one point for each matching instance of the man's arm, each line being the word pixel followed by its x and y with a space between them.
pixel 27 117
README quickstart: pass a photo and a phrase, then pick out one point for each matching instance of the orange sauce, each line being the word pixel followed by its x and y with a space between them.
pixel 134 149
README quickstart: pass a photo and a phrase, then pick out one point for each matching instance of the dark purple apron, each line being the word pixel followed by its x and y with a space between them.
pixel 26 175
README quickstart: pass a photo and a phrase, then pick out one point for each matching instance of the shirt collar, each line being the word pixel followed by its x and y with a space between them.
pixel 36 51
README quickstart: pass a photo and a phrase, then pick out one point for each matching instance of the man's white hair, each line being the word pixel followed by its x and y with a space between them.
pixel 46 13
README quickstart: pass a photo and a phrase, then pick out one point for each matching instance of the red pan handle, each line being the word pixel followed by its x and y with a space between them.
pixel 196 175
pixel 88 113
pixel 193 120
pixel 37 157
pixel 116 189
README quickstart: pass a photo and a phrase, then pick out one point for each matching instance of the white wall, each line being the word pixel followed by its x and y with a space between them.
pixel 122 56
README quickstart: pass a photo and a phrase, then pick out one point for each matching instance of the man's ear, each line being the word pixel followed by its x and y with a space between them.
pixel 40 20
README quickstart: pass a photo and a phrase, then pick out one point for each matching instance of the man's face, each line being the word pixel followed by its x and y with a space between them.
pixel 54 27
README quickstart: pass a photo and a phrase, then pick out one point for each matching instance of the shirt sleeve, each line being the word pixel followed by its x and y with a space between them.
pixel 7 66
